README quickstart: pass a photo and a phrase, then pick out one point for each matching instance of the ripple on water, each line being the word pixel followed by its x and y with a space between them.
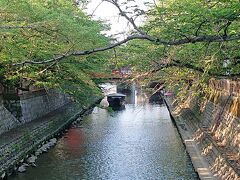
pixel 138 143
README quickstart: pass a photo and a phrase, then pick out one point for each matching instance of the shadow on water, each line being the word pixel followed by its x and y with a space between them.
pixel 118 108
pixel 156 98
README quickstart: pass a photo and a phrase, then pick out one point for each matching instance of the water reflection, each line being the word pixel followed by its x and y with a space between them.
pixel 119 108
pixel 137 143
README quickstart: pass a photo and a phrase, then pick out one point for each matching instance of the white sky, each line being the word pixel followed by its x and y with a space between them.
pixel 109 13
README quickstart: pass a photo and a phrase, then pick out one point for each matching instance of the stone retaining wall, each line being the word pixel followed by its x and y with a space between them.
pixel 15 152
pixel 7 120
pixel 35 106
pixel 17 110
pixel 214 124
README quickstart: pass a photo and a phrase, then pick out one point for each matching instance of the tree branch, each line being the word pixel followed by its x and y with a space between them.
pixel 122 13
pixel 99 4
pixel 142 35
pixel 16 27
pixel 137 36
pixel 226 27
pixel 199 27
pixel 177 63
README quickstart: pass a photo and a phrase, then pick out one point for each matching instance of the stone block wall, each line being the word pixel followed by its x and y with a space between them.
pixel 30 107
pixel 16 149
pixel 226 85
pixel 215 122
pixel 7 120
pixel 221 143
pixel 34 106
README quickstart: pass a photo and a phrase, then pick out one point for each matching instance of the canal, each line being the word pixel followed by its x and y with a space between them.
pixel 139 142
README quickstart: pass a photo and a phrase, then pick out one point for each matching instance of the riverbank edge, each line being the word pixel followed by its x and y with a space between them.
pixel 200 165
pixel 11 167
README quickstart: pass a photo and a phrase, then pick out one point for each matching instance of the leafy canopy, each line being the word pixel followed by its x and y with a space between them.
pixel 41 29
pixel 189 41
pixel 189 64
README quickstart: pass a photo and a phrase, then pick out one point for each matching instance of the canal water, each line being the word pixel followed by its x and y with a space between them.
pixel 137 143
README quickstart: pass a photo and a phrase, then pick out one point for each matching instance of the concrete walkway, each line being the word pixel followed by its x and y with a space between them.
pixel 200 164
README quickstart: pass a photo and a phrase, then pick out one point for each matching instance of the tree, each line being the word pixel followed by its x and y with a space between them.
pixel 194 41
pixel 38 30
pixel 176 26
pixel 196 36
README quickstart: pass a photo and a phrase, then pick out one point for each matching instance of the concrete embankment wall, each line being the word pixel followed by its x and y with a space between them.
pixel 7 120
pixel 49 115
pixel 34 106
pixel 16 110
pixel 212 124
